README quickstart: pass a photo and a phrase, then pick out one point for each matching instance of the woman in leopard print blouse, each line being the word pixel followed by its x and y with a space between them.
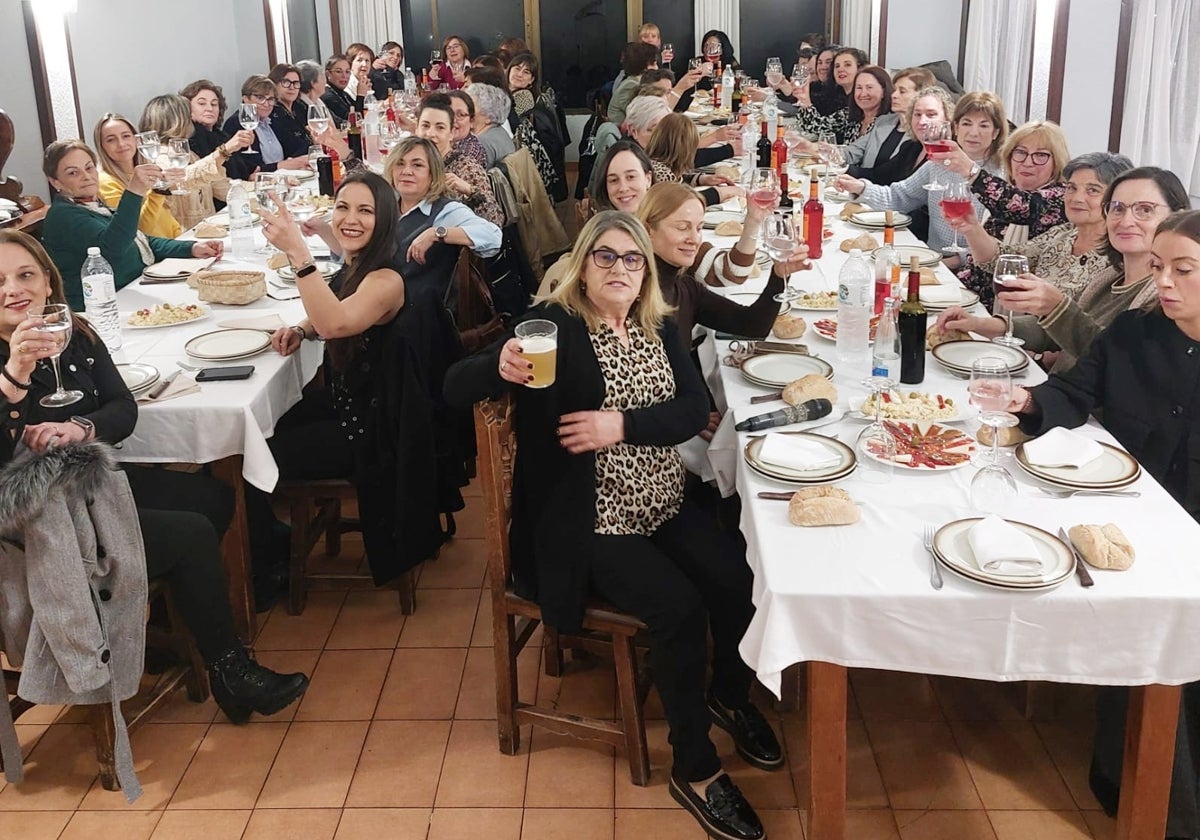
pixel 599 507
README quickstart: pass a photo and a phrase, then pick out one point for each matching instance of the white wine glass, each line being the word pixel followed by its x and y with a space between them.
pixel 800 75
pixel 179 155
pixel 1008 267
pixel 774 71
pixel 268 186
pixel 56 326
pixel 248 119
pixel 876 445
pixel 993 488
pixel 779 240
pixel 150 147
pixel 936 139
pixel 318 119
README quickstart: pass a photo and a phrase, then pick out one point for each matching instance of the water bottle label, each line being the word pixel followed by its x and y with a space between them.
pixel 843 293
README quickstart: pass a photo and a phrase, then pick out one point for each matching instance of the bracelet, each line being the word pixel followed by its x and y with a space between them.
pixel 1028 402
pixel 24 386
pixel 300 331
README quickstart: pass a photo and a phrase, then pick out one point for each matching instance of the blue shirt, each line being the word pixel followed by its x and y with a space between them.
pixel 268 144
pixel 486 236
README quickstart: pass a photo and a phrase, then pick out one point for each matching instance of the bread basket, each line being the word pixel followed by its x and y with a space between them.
pixel 229 287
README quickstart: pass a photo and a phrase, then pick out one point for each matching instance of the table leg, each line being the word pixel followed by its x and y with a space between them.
pixel 826 751
pixel 1149 758
pixel 235 551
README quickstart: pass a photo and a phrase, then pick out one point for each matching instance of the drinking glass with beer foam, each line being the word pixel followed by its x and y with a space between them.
pixel 539 347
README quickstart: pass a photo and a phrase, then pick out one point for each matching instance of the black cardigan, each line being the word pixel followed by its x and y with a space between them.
pixel 554 493
pixel 1143 374
pixel 695 303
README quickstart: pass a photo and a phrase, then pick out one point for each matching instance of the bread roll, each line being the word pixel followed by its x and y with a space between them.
pixel 728 228
pixel 1102 546
pixel 818 506
pixel 277 260
pixel 810 387
pixel 790 326
pixel 934 336
pixel 726 171
pixel 850 208
pixel 929 277
pixel 1009 436
pixel 206 231
pixel 864 242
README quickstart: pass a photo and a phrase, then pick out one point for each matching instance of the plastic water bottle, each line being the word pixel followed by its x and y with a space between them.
pixel 100 298
pixel 727 89
pixel 885 355
pixel 855 305
pixel 237 205
pixel 770 111
pixel 410 82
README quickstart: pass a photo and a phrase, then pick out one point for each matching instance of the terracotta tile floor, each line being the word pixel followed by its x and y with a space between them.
pixel 396 739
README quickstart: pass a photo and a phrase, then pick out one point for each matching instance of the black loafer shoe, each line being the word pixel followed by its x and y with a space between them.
pixel 723 812
pixel 752 735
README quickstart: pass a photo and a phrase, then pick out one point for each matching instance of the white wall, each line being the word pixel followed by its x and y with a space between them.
pixel 1088 76
pixel 921 31
pixel 17 99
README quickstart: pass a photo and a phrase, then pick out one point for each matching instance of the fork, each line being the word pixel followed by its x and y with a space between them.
pixel 1067 494
pixel 935 574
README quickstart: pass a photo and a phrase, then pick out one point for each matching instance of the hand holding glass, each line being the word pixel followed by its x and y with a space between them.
pixel 936 139
pixel 56 326
pixel 179 155
pixel 539 345
pixel 248 118
pixel 956 204
pixel 1008 267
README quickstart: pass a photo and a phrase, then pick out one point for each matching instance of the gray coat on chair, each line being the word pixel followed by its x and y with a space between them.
pixel 72 584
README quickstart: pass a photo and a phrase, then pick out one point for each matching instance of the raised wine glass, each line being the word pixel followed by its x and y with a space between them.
pixel 763 188
pixel 779 240
pixel 318 119
pixel 267 187
pixel 800 75
pixel 876 446
pixel 956 204
pixel 774 71
pixel 248 119
pixel 993 488
pixel 712 53
pixel 936 138
pixel 150 146
pixel 56 326
pixel 179 155
pixel 1008 267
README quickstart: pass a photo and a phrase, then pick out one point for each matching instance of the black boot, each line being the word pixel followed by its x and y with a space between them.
pixel 241 686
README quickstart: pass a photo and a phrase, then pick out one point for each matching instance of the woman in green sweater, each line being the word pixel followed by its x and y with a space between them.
pixel 77 220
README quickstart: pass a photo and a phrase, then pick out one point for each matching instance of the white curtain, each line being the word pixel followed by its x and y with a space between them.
pixel 371 22
pixel 1000 52
pixel 1161 124
pixel 856 26
pixel 722 15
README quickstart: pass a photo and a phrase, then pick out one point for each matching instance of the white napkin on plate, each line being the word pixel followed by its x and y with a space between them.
pixel 797 453
pixel 1000 548
pixel 268 323
pixel 1061 447
pixel 177 266
pixel 180 386
pixel 941 293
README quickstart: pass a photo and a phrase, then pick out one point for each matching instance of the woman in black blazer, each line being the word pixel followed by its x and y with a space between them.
pixel 599 507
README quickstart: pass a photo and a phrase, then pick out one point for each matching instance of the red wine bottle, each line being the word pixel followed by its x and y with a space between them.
pixel 913 321
pixel 814 219
pixel 764 149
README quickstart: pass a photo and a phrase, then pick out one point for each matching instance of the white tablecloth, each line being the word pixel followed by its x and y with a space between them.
pixel 860 596
pixel 223 418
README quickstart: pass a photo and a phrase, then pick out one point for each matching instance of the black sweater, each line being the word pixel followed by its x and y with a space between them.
pixel 697 304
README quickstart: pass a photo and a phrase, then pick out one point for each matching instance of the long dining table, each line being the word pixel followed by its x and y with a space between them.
pixel 225 424
pixel 828 599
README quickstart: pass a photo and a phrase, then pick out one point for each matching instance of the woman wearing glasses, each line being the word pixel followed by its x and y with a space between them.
pixel 268 152
pixel 599 505
pixel 1068 319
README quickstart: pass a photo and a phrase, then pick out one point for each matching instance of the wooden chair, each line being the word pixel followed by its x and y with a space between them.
pixel 316 511
pixel 190 673
pixel 33 209
pixel 514 619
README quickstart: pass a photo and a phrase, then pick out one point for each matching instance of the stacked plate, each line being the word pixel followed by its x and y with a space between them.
pixel 877 220
pixel 751 298
pixel 715 217
pixel 966 298
pixel 958 356
pixel 221 219
pixel 328 268
pixel 844 466
pixel 1114 469
pixel 776 370
pixel 228 345
pixel 925 256
pixel 953 551
pixel 139 378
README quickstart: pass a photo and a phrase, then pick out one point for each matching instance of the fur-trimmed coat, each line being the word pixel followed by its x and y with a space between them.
pixel 72 581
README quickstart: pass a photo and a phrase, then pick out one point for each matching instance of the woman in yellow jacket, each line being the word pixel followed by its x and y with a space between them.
pixel 116 146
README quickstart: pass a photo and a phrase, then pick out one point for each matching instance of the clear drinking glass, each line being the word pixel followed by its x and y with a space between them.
pixel 876 446
pixel 993 488
pixel 779 239
pixel 318 119
pixel 268 186
pixel 956 204
pixel 56 326
pixel 248 118
pixel 774 71
pixel 763 188
pixel 1008 267
pixel 179 155
pixel 539 347
pixel 668 53
pixel 150 146
pixel 800 75
pixel 936 138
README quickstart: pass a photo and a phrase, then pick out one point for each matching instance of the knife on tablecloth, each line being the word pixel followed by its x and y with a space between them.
pixel 1085 577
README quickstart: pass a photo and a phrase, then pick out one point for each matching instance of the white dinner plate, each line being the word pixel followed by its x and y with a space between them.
pixel 962 411
pixel 328 268
pixel 831 194
pixel 227 345
pixel 952 548
pixel 776 370
pixel 966 298
pixel 958 356
pixel 221 219
pixel 925 256
pixel 715 217
pixel 844 466
pixel 750 298
pixel 878 219
pixel 1113 469
pixel 137 376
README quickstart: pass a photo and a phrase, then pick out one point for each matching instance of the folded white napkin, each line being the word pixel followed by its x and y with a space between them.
pixel 180 386
pixel 796 453
pixel 941 293
pixel 1061 447
pixel 177 266
pixel 1002 549
pixel 269 323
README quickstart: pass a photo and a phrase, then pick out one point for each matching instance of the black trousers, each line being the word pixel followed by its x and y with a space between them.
pixel 183 516
pixel 1108 752
pixel 686 578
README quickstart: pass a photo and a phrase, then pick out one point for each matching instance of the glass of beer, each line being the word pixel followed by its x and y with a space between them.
pixel 539 344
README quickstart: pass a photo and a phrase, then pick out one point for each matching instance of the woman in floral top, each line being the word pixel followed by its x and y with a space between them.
pixel 872 97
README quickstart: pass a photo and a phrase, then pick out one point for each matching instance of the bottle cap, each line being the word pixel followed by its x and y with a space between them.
pixel 93 251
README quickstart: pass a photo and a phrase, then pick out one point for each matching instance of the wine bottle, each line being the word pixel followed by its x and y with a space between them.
pixel 354 135
pixel 814 219
pixel 764 149
pixel 887 266
pixel 785 200
pixel 779 151
pixel 913 322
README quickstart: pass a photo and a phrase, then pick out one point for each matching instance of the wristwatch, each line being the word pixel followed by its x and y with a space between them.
pixel 306 269
pixel 440 232
pixel 87 425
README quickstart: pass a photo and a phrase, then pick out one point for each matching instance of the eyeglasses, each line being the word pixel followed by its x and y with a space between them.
pixel 1143 211
pixel 290 83
pixel 258 97
pixel 1039 158
pixel 604 258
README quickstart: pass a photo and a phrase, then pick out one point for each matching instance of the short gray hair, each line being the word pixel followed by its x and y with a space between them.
pixel 491 101
pixel 644 110
pixel 310 71
pixel 1106 165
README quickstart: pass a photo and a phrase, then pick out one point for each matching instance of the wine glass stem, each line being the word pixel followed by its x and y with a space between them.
pixel 996 444
pixel 1008 324
pixel 58 388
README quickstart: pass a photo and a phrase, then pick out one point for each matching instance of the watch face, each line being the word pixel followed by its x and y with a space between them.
pixel 440 232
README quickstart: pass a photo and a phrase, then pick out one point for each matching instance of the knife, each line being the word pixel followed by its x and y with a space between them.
pixel 157 390
pixel 1085 577
pixel 780 347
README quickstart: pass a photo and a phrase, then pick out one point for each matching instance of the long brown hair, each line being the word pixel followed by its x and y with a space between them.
pixel 105 161
pixel 673 142
pixel 57 295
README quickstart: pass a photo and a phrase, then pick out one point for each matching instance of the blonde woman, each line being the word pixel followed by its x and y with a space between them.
pixel 117 151
pixel 601 510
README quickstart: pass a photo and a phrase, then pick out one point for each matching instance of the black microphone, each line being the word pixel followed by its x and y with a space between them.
pixel 810 410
